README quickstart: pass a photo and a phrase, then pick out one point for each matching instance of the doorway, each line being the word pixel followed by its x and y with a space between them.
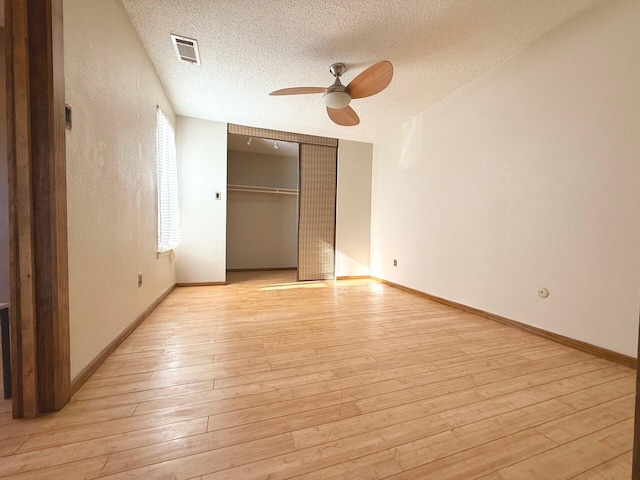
pixel 262 204
pixel 317 188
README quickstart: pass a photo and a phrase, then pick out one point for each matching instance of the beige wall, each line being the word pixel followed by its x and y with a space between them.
pixel 262 228
pixel 5 291
pixel 528 177
pixel 353 209
pixel 202 171
pixel 111 176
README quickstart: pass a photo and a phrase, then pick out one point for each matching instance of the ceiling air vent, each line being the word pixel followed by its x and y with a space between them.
pixel 186 49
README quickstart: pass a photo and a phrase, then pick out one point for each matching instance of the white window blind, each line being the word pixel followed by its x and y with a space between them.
pixel 168 212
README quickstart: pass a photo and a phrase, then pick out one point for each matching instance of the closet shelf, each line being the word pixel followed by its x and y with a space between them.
pixel 258 189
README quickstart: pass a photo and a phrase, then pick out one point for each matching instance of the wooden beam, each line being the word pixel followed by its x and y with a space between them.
pixel 50 201
pixel 37 190
pixel 22 311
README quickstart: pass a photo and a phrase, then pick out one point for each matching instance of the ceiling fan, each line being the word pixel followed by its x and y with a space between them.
pixel 337 97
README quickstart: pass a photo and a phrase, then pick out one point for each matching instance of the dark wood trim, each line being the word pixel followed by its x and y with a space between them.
pixel 353 277
pixel 201 284
pixel 570 342
pixel 58 187
pixel 90 369
pixel 38 222
pixel 47 104
pixel 635 470
pixel 22 313
pixel 269 269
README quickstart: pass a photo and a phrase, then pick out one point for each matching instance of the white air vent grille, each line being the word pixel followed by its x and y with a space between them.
pixel 186 49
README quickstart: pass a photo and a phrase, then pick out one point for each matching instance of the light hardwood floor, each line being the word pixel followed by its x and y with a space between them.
pixel 266 378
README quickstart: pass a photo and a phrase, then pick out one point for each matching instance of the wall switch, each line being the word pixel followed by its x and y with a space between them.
pixel 395 262
pixel 67 116
pixel 218 195
pixel 139 279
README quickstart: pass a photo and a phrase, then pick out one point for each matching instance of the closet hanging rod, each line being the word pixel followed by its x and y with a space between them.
pixel 258 189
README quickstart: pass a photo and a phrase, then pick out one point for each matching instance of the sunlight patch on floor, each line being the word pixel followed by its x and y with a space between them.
pixel 290 286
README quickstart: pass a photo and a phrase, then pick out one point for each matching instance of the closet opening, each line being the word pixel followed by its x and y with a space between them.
pixel 262 204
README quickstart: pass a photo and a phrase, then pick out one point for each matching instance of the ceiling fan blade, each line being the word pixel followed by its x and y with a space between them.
pixel 298 91
pixel 373 80
pixel 346 116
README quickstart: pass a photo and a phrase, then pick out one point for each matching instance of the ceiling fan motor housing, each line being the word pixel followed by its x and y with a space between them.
pixel 337 69
pixel 336 96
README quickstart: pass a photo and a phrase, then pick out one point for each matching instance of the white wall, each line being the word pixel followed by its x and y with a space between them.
pixel 262 228
pixel 353 214
pixel 202 170
pixel 5 291
pixel 113 90
pixel 528 177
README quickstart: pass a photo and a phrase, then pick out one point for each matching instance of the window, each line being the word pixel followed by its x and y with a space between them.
pixel 168 213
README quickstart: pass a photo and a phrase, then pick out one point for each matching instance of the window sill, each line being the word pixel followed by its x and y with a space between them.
pixel 164 254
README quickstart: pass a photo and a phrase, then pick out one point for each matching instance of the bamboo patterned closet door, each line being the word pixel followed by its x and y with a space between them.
pixel 317 212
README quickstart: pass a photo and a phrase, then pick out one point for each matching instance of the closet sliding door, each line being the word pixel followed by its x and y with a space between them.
pixel 317 212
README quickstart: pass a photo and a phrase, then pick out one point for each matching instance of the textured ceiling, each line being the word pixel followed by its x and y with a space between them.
pixel 249 48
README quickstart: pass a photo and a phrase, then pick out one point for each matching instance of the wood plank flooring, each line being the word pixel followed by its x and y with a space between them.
pixel 268 378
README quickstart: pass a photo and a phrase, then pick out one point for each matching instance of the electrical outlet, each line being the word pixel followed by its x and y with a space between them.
pixel 395 262
pixel 139 279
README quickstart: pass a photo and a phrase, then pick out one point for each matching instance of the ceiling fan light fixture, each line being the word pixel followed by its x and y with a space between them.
pixel 336 99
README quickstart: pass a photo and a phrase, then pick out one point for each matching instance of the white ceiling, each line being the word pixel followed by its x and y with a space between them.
pixel 249 48
pixel 263 146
